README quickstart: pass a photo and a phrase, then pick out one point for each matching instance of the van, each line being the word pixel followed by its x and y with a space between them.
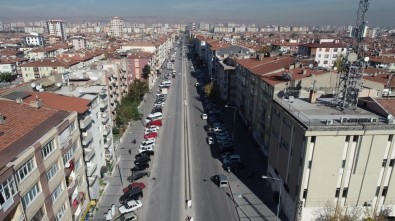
pixel 154 116
pixel 220 180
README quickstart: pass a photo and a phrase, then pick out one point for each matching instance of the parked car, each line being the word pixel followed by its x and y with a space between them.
pixel 137 175
pixel 151 135
pixel 142 159
pixel 157 123
pixel 220 180
pixel 204 116
pixel 133 194
pixel 224 155
pixel 210 140
pixel 139 167
pixel 150 130
pixel 233 166
pixel 151 127
pixel 145 153
pixel 130 206
pixel 156 109
pixel 147 148
pixel 232 158
pixel 226 144
pixel 207 128
pixel 133 185
pixel 147 143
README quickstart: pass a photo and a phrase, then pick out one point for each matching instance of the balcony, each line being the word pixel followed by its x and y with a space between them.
pixel 104 118
pixel 89 153
pixel 92 180
pixel 107 143
pixel 90 168
pixel 85 121
pixel 104 104
pixel 86 138
pixel 71 184
pixel 106 130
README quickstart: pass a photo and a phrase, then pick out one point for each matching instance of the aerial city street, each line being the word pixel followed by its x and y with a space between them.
pixel 197 111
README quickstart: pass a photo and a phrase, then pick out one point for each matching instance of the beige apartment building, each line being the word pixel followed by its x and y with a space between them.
pixel 41 157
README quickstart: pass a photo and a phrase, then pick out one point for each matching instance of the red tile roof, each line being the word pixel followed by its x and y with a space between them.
pixel 297 74
pixel 266 65
pixel 49 62
pixel 385 60
pixel 388 104
pixel 60 102
pixel 140 55
pixel 20 119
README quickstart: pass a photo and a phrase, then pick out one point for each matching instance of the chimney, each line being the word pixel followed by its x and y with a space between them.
pixel 313 96
pixel 36 103
pixel 19 100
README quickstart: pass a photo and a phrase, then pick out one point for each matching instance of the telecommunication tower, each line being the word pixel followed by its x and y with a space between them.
pixel 350 81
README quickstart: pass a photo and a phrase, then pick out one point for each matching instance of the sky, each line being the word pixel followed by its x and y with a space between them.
pixel 292 12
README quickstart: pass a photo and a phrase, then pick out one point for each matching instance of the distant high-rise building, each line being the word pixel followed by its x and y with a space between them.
pixel 56 27
pixel 116 27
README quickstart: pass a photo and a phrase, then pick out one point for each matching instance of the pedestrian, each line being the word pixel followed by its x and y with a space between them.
pixel 130 151
pixel 134 141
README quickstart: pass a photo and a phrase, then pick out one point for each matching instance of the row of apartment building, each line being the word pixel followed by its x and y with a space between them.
pixel 322 155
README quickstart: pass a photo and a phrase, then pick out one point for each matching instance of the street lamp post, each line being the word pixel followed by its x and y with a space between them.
pixel 234 120
pixel 279 195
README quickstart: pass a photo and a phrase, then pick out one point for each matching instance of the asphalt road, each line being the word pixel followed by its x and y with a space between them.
pixel 165 196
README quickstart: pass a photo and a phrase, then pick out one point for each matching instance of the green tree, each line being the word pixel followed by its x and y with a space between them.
pixel 6 77
pixel 146 71
pixel 339 63
pixel 265 49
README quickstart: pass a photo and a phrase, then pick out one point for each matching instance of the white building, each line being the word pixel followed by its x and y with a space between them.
pixel 78 42
pixel 116 27
pixel 56 27
pixel 323 51
pixel 34 39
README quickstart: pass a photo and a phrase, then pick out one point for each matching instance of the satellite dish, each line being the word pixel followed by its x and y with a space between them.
pixel 33 85
pixel 67 165
pixel 389 117
pixel 366 59
pixel 310 66
pixel 81 91
pixel 38 87
pixel 58 84
pixel 352 57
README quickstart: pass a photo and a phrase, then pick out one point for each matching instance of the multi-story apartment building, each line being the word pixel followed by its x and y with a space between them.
pixel 116 27
pixel 78 42
pixel 45 67
pixel 41 158
pixel 136 62
pixel 34 39
pixel 323 51
pixel 327 158
pixel 56 27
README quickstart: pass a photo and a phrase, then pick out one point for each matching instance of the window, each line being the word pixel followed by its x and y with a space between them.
pixel 385 190
pixel 343 163
pixel 390 137
pixel 347 138
pixel 319 55
pixel 309 166
pixel 39 215
pixel 52 171
pixel 377 191
pixel 325 62
pixel 355 139
pixel 335 50
pixel 47 149
pixel 384 163
pixel 67 156
pixel 334 56
pixel 60 213
pixel 304 193
pixel 337 192
pixel 313 139
pixel 326 56
pixel 7 192
pixel 392 161
pixel 25 170
pixel 56 193
pixel 72 127
pixel 31 195
pixel 345 192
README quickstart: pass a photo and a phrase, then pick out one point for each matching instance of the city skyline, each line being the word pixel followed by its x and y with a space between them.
pixel 302 12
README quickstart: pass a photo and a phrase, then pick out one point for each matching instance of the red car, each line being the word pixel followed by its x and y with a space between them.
pixel 151 135
pixel 133 185
pixel 154 123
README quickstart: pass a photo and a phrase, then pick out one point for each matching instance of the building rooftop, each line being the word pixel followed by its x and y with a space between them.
pixel 20 130
pixel 60 102
pixel 321 114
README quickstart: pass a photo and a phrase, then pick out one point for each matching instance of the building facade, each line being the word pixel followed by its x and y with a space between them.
pixel 116 27
pixel 56 27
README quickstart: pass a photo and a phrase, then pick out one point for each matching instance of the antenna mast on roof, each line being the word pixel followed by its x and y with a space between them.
pixel 353 65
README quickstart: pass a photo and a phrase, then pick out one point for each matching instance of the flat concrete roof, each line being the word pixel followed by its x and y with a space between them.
pixel 322 114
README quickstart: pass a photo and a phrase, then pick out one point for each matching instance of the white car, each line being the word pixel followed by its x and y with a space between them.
pixel 231 158
pixel 210 140
pixel 148 148
pixel 130 206
pixel 204 116
pixel 150 131
pixel 147 143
